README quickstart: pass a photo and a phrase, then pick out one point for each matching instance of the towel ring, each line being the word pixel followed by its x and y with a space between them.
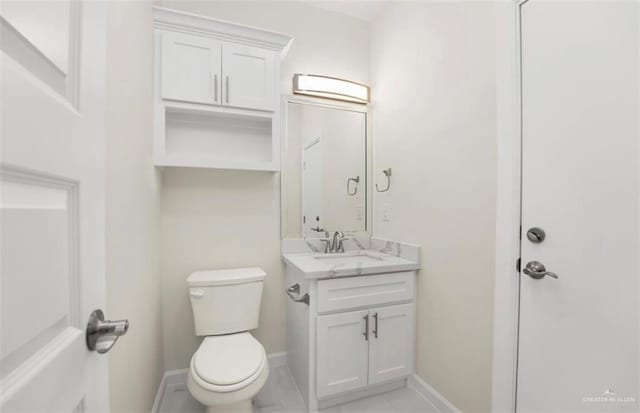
pixel 355 189
pixel 387 173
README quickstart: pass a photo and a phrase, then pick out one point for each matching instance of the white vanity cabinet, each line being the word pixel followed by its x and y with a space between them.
pixel 354 338
pixel 217 100
pixel 361 348
pixel 343 351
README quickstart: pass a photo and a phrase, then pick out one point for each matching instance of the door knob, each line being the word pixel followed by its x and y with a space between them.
pixel 102 335
pixel 536 270
pixel 536 235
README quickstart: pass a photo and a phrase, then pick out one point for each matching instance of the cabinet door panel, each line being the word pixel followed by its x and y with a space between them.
pixel 342 353
pixel 191 68
pixel 391 348
pixel 249 77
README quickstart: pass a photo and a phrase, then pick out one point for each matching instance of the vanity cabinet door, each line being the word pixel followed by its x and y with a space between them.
pixel 249 77
pixel 191 68
pixel 343 352
pixel 391 343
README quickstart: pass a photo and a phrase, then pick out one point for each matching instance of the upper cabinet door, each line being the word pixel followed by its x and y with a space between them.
pixel 342 352
pixel 391 348
pixel 249 77
pixel 190 68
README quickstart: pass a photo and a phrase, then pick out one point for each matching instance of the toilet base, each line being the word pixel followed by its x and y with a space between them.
pixel 243 406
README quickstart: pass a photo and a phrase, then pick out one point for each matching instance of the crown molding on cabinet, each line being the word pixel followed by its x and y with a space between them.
pixel 178 21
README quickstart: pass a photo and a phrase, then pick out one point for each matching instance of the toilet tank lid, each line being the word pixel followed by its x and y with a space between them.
pixel 225 277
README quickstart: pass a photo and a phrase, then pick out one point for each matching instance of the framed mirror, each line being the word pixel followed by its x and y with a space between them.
pixel 325 168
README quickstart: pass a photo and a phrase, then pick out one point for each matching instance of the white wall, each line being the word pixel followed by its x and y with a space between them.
pixel 132 209
pixel 216 219
pixel 434 113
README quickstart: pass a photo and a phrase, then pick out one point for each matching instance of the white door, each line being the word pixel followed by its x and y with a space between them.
pixel 579 334
pixel 391 343
pixel 249 77
pixel 312 194
pixel 343 352
pixel 52 205
pixel 191 68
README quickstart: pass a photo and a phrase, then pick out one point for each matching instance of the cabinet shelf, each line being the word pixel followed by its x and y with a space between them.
pixel 214 138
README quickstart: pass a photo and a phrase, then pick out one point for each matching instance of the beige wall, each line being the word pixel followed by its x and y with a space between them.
pixel 433 85
pixel 132 210
pixel 216 219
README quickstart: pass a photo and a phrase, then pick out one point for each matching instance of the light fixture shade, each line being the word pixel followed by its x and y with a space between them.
pixel 330 88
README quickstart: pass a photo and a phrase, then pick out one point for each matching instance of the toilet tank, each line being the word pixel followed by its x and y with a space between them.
pixel 225 301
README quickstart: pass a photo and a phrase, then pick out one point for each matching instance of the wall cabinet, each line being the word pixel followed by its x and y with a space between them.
pixel 360 348
pixel 199 69
pixel 190 68
pixel 249 77
pixel 216 88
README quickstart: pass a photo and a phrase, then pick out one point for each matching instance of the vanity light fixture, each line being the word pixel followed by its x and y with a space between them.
pixel 330 88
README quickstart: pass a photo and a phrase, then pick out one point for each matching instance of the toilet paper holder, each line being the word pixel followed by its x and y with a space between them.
pixel 294 293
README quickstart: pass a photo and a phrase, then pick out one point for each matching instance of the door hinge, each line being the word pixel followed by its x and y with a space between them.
pixel 518 261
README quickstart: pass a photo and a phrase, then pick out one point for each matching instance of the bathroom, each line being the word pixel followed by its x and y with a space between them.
pixel 464 144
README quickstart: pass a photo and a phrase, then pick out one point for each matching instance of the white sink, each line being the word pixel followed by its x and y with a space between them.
pixel 348 258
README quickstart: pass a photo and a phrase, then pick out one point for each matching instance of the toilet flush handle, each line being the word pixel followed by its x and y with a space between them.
pixel 196 293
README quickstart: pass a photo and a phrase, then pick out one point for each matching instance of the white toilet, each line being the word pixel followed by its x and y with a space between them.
pixel 230 366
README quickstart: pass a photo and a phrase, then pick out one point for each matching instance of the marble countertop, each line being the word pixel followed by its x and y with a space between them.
pixel 361 262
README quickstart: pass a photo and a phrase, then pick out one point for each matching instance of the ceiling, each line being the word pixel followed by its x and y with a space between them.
pixel 363 10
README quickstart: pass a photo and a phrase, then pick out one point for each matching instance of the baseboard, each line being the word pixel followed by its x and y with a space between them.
pixel 169 378
pixel 277 359
pixel 179 377
pixel 436 399
pixel 361 394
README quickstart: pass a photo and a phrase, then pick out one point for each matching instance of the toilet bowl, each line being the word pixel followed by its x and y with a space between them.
pixel 227 371
pixel 230 366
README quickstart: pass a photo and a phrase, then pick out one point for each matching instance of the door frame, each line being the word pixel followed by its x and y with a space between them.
pixel 508 205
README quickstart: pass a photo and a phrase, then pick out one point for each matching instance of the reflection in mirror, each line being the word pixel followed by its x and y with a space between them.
pixel 325 184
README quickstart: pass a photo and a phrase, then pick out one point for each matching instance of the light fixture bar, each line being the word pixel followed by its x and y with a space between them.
pixel 330 88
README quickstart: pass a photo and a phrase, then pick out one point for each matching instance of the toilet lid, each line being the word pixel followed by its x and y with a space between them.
pixel 229 359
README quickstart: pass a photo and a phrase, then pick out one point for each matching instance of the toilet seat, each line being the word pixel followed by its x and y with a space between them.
pixel 228 363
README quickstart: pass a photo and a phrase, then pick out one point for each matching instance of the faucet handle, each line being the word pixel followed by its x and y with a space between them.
pixel 327 244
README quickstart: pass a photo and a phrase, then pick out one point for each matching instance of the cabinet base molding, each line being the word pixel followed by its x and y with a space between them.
pixel 361 394
pixel 438 401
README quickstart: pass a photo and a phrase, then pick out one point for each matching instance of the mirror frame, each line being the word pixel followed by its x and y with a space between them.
pixel 353 107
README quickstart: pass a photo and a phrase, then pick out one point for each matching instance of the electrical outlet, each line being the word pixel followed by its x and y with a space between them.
pixel 386 213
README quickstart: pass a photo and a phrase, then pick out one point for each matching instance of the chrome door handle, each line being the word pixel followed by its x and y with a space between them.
pixel 101 335
pixel 536 270
pixel 294 293
pixel 366 327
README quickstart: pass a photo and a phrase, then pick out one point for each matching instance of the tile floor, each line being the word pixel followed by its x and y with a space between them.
pixel 279 395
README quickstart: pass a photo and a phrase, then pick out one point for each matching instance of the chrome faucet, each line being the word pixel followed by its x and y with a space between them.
pixel 333 244
pixel 336 242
